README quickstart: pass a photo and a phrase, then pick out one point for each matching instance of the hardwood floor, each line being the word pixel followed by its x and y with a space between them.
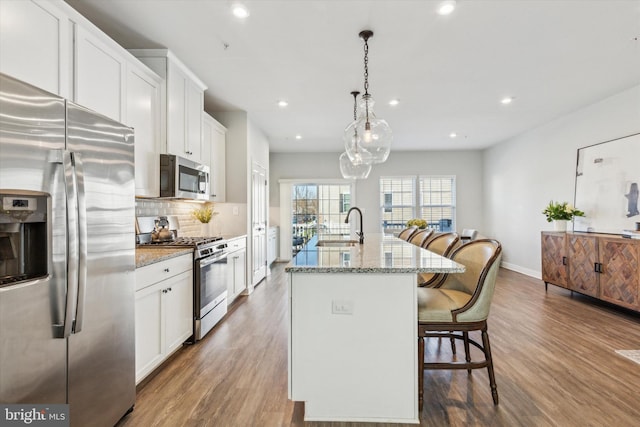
pixel 553 353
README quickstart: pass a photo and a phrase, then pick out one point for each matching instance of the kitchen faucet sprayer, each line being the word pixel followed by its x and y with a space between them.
pixel 346 221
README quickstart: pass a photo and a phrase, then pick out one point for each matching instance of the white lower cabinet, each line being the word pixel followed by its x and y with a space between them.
pixel 237 261
pixel 272 244
pixel 164 311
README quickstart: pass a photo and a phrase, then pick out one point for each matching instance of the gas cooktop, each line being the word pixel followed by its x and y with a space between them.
pixel 184 241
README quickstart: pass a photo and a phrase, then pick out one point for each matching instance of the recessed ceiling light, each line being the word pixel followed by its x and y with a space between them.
pixel 298 136
pixel 453 135
pixel 240 11
pixel 506 100
pixel 394 102
pixel 282 103
pixel 446 7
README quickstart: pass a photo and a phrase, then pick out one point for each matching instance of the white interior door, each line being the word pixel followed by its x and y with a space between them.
pixel 259 223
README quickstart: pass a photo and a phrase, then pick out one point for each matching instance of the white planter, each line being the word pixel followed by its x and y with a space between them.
pixel 560 225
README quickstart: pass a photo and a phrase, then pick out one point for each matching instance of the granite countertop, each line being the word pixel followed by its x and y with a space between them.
pixel 151 255
pixel 378 254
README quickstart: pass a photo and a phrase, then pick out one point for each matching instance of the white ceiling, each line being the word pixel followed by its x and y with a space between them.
pixel 449 72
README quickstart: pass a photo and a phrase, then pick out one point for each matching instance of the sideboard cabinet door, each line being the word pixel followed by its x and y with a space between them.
pixel 554 259
pixel 583 256
pixel 620 271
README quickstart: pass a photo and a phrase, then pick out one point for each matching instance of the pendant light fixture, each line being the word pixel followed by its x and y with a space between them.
pixel 347 167
pixel 368 139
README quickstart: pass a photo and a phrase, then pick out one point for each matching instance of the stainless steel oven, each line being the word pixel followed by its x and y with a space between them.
pixel 210 291
pixel 210 272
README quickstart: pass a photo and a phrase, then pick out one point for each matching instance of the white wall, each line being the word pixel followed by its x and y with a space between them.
pixel 466 165
pixel 522 174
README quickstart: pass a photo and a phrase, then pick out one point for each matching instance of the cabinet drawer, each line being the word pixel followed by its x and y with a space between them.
pixel 235 244
pixel 153 273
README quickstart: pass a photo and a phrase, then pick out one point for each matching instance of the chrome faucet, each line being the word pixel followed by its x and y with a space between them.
pixel 346 221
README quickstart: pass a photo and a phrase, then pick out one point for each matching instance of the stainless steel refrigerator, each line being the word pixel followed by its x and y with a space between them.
pixel 67 256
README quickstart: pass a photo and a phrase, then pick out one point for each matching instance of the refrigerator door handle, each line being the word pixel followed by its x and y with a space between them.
pixel 72 243
pixel 82 242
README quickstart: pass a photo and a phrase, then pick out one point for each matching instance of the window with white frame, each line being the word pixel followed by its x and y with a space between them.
pixel 432 198
pixel 397 202
pixel 437 202
pixel 345 202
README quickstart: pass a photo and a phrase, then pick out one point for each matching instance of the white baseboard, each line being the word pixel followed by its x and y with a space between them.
pixel 518 269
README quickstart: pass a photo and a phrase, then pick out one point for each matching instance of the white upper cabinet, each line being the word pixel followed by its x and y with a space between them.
pixel 99 74
pixel 143 114
pixel 214 140
pixel 52 46
pixel 34 45
pixel 195 107
pixel 177 83
pixel 184 98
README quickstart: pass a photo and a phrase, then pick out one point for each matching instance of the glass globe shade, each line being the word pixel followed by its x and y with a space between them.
pixel 370 137
pixel 349 170
pixel 353 146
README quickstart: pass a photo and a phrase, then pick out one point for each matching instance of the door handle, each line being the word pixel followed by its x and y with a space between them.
pixel 82 242
pixel 564 260
pixel 597 267
pixel 72 243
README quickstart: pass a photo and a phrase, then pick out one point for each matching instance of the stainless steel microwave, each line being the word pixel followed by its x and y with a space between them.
pixel 182 178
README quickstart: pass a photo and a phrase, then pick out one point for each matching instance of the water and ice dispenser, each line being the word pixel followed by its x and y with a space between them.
pixel 23 237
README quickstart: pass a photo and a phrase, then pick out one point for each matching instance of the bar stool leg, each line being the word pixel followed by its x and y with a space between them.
pixel 487 352
pixel 420 372
pixel 467 350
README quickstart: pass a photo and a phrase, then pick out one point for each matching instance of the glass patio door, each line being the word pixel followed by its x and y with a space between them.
pixel 319 211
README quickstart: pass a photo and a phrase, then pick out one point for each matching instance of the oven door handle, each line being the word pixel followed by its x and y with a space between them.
pixel 210 260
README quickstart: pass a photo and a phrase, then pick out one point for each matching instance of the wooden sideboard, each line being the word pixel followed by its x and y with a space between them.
pixel 603 266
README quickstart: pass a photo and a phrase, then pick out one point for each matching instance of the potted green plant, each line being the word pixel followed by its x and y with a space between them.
pixel 205 214
pixel 560 213
pixel 418 222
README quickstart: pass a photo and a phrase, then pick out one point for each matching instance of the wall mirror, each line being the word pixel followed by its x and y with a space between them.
pixel 607 181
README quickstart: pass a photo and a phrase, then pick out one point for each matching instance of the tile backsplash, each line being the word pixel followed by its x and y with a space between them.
pixel 230 220
pixel 189 226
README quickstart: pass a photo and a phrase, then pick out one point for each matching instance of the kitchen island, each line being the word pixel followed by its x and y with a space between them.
pixel 353 328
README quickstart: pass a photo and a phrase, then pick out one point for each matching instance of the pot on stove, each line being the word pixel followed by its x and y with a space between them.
pixel 161 232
